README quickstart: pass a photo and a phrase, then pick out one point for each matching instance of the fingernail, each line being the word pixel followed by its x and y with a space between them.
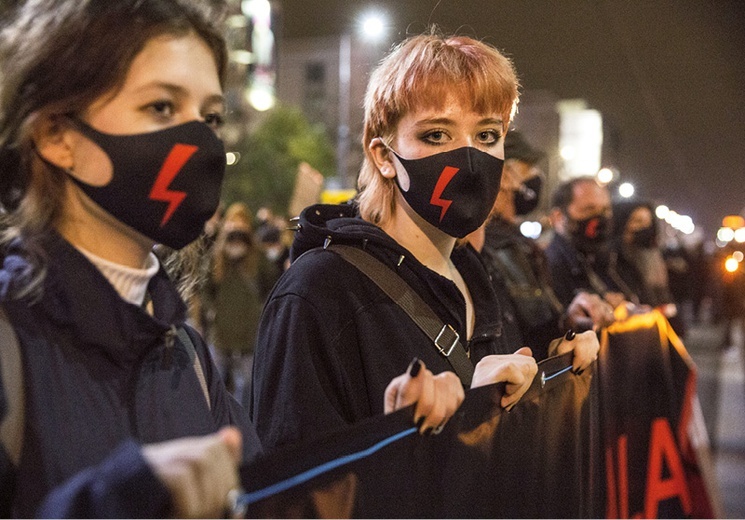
pixel 428 431
pixel 414 367
pixel 579 372
pixel 569 336
pixel 419 423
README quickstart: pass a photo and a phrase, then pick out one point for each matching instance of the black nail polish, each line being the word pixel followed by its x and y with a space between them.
pixel 428 431
pixel 414 367
pixel 419 423
pixel 569 336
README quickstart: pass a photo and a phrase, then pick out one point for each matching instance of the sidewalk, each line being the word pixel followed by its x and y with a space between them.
pixel 721 390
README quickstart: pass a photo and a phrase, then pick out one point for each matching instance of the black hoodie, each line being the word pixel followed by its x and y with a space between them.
pixel 330 341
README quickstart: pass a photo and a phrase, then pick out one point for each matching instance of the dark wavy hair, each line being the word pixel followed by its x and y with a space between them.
pixel 57 57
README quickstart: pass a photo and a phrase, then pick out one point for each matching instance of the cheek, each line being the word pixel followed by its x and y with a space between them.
pixel 91 164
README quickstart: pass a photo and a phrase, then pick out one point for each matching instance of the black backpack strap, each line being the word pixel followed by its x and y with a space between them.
pixel 11 379
pixel 443 336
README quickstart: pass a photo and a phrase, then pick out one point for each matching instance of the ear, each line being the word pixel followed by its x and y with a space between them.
pixel 381 157
pixel 557 219
pixel 54 142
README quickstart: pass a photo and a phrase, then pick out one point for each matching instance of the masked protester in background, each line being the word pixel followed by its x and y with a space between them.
pixel 639 261
pixel 531 313
pixel 436 112
pixel 239 281
pixel 639 257
pixel 579 255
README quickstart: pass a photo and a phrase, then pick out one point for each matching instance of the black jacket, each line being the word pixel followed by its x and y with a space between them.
pixel 571 272
pixel 330 341
pixel 100 375
pixel 518 265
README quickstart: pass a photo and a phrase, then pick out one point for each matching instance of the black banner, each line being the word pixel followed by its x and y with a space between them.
pixel 615 441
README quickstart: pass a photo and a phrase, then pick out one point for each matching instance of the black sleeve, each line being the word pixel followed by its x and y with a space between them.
pixel 123 486
pixel 295 388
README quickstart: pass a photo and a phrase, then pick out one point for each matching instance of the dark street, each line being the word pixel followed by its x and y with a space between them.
pixel 721 390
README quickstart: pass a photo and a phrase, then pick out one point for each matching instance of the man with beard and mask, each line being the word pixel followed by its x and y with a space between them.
pixel 579 255
pixel 531 313
pixel 436 112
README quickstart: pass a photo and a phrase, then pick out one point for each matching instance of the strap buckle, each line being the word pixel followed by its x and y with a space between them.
pixel 446 350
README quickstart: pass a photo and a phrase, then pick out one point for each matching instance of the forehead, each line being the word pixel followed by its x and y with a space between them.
pixel 590 192
pixel 181 60
pixel 589 197
pixel 641 214
pixel 453 107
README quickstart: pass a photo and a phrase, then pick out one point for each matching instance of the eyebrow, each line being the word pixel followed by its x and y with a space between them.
pixel 448 121
pixel 178 90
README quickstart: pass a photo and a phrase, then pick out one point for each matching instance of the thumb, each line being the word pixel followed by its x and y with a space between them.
pixel 231 437
pixel 524 351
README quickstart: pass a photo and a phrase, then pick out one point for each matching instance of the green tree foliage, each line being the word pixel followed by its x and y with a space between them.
pixel 265 173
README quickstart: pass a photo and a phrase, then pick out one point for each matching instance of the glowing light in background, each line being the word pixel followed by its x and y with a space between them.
pixel 373 26
pixel 231 158
pixel 731 264
pixel 661 211
pixel 725 234
pixel 626 190
pixel 605 175
pixel 531 229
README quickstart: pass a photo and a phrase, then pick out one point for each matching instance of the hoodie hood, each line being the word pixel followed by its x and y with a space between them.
pixel 322 224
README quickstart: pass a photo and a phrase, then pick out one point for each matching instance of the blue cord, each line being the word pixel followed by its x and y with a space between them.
pixel 284 485
pixel 563 370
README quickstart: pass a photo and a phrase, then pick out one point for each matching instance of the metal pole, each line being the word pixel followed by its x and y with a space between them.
pixel 345 72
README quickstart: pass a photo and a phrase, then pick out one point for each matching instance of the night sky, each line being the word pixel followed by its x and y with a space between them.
pixel 667 75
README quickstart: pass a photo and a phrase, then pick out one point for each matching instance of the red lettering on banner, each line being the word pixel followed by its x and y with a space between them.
pixel 663 452
pixel 618 496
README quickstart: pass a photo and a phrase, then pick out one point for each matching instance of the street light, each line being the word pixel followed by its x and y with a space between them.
pixel 373 26
pixel 626 190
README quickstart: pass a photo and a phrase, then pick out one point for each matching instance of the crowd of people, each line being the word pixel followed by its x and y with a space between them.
pixel 119 399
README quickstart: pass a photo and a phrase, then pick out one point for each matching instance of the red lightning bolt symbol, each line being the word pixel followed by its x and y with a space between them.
pixel 176 159
pixel 591 231
pixel 445 177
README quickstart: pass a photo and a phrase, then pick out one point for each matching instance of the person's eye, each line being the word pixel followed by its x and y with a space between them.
pixel 488 137
pixel 435 137
pixel 215 119
pixel 163 109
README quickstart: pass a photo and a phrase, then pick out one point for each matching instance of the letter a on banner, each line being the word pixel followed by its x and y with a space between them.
pixel 664 453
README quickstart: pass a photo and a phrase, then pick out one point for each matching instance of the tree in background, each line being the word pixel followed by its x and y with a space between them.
pixel 270 156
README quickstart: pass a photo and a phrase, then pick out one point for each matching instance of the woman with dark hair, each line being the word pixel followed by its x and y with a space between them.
pixel 639 260
pixel 109 122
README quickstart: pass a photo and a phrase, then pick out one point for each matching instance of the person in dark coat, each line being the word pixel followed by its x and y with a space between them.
pixel 579 254
pixel 436 112
pixel 532 314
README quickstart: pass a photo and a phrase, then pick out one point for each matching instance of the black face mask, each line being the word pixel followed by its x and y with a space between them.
pixel 164 184
pixel 526 198
pixel 454 191
pixel 591 234
pixel 645 238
